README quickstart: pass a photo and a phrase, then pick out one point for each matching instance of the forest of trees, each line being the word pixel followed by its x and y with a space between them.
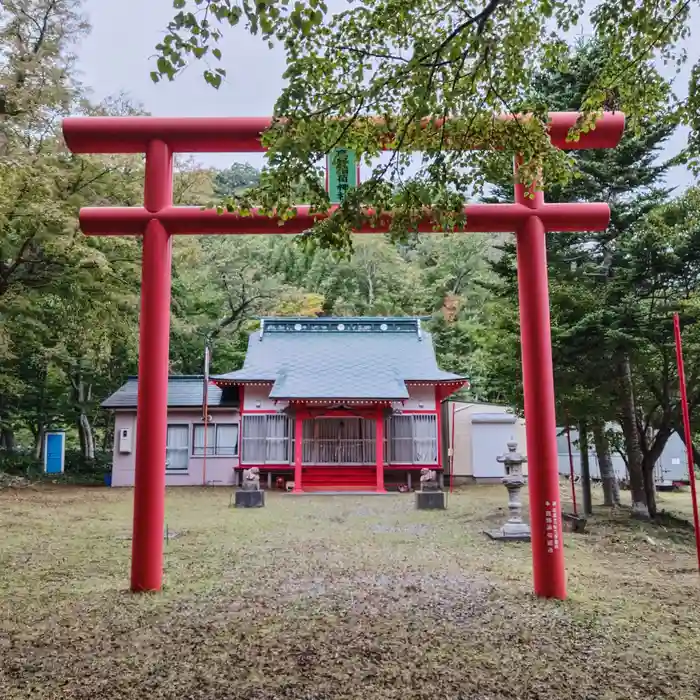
pixel 69 304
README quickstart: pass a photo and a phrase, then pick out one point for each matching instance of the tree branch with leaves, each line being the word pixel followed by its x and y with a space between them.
pixel 436 74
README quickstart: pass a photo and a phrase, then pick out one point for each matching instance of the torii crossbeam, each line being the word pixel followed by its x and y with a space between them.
pixel 158 220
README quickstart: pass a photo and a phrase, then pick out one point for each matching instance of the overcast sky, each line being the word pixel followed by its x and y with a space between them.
pixel 110 66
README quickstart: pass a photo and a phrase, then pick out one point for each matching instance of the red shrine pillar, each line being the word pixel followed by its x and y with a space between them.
pixel 298 449
pixel 538 388
pixel 152 414
pixel 379 445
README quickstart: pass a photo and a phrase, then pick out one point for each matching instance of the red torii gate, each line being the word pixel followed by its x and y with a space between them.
pixel 530 219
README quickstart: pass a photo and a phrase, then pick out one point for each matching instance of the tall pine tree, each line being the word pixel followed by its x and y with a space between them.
pixel 594 328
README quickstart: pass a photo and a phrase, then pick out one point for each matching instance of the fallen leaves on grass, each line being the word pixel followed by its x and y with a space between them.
pixel 343 598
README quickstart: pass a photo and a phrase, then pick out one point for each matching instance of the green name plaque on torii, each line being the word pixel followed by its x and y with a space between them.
pixel 342 168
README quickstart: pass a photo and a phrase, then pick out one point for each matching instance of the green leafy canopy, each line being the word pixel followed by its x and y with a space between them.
pixel 454 64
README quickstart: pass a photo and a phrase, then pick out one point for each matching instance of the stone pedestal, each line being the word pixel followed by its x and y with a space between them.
pixel 430 500
pixel 250 498
pixel 516 535
pixel 573 523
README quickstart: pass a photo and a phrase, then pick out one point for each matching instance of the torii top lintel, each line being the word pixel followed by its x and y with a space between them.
pixel 243 134
pixel 161 137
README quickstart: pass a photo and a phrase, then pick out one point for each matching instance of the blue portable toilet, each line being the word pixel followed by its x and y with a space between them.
pixel 54 452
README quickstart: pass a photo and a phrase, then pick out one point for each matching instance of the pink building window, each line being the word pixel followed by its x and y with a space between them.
pixel 177 448
pixel 222 440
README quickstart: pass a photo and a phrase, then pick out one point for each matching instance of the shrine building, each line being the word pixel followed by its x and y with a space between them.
pixel 320 404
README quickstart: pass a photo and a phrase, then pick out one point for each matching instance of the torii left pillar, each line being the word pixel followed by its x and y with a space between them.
pixel 154 358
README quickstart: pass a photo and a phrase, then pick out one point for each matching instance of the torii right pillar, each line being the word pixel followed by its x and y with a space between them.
pixel 549 572
pixel 538 388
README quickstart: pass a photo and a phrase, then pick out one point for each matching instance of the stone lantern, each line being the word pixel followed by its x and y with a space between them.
pixel 514 480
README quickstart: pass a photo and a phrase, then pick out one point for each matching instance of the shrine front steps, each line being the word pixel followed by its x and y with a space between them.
pixel 315 479
pixel 337 487
pixel 344 493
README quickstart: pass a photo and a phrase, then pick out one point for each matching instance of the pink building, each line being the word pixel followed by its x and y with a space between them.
pixel 330 404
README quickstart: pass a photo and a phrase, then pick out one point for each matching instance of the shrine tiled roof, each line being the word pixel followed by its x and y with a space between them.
pixel 184 391
pixel 339 358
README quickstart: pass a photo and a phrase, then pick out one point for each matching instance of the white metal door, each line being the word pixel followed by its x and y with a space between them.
pixel 489 441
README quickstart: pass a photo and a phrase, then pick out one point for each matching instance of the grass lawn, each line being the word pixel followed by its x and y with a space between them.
pixel 343 597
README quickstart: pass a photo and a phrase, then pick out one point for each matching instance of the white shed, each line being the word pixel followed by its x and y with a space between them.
pixel 478 434
pixel 672 465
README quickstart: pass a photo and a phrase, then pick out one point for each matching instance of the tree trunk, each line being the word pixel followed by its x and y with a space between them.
pixel 616 488
pixel 585 468
pixel 7 439
pixel 87 439
pixel 40 418
pixel 81 396
pixel 108 436
pixel 81 436
pixel 635 458
pixel 651 457
pixel 611 491
pixel 650 490
pixel 39 441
